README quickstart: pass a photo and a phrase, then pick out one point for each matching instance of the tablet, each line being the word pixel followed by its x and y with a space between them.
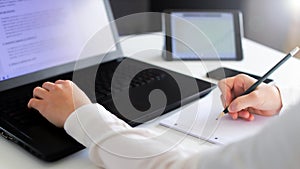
pixel 203 34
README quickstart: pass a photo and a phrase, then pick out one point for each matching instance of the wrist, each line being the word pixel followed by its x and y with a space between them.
pixel 77 108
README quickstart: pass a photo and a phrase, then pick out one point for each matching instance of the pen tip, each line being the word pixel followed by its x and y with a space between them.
pixel 220 116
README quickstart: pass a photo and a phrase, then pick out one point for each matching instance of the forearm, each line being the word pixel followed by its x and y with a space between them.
pixel 114 144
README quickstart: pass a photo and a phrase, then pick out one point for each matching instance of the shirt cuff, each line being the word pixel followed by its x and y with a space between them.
pixel 88 123
pixel 289 96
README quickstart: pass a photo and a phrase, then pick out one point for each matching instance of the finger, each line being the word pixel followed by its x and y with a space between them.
pixel 251 117
pixel 234 116
pixel 60 81
pixel 223 100
pixel 48 86
pixel 244 114
pixel 39 92
pixel 226 87
pixel 64 83
pixel 35 103
pixel 244 102
pixel 241 83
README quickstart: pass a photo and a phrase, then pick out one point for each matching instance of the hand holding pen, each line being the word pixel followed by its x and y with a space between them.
pixel 242 96
pixel 265 100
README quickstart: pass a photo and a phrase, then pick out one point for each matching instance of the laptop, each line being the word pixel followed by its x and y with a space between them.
pixel 42 41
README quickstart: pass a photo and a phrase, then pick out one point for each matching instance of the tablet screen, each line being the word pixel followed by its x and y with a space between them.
pixel 219 29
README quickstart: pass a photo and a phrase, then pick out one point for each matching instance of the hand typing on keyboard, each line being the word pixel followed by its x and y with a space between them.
pixel 56 101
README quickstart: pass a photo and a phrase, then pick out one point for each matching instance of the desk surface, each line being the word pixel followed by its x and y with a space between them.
pixel 257 59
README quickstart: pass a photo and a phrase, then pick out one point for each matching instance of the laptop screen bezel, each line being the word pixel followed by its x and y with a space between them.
pixel 69 67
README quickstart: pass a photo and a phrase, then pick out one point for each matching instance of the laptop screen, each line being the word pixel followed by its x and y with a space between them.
pixel 36 35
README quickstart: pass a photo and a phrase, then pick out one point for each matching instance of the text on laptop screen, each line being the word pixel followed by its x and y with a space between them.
pixel 36 35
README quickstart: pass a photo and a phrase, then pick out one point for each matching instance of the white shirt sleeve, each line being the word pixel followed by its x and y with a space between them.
pixel 114 144
pixel 290 95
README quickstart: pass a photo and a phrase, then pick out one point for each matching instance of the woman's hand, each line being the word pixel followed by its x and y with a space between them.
pixel 56 101
pixel 264 100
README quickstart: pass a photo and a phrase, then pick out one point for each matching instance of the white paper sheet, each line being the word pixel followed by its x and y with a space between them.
pixel 199 119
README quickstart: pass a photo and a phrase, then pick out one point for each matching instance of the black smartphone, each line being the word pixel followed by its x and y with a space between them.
pixel 224 72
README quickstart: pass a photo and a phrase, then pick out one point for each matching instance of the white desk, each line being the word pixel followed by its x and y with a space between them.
pixel 257 59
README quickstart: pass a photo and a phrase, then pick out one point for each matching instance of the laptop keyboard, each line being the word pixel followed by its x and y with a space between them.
pixel 20 114
pixel 104 86
pixel 24 116
pixel 13 106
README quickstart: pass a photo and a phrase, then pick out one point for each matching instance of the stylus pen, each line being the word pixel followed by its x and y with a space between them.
pixel 264 77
